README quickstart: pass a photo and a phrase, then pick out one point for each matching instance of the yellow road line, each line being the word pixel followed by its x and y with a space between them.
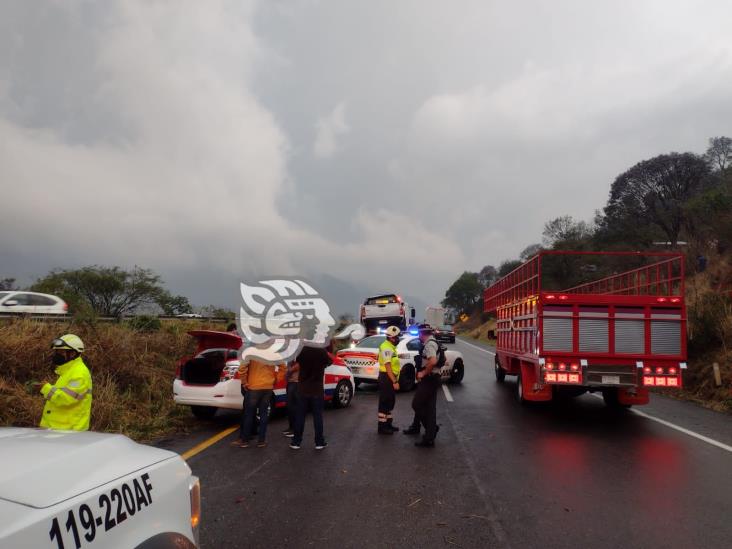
pixel 198 448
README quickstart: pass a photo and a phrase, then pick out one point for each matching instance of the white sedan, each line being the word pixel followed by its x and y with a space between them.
pixel 362 360
pixel 32 302
pixel 66 489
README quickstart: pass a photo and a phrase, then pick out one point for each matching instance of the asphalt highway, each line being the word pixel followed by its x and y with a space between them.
pixel 573 474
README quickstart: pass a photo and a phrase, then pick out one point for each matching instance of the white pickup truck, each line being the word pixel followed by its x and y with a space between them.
pixel 67 490
pixel 381 311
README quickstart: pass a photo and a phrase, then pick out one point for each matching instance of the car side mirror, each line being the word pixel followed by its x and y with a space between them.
pixel 11 302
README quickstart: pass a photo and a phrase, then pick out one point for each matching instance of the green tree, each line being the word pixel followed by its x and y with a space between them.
pixel 173 304
pixel 487 275
pixel 719 154
pixel 508 266
pixel 530 251
pixel 655 191
pixel 464 294
pixel 7 284
pixel 107 291
pixel 565 233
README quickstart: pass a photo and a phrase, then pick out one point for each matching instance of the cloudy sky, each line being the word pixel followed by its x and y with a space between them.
pixel 367 145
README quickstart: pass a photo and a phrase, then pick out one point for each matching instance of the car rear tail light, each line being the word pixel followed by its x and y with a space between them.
pixel 178 369
pixel 66 307
pixel 659 370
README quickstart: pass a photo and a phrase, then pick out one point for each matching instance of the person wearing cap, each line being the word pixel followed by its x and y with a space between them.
pixel 424 402
pixel 69 400
pixel 389 368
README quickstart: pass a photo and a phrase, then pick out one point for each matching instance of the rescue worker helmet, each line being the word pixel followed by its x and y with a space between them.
pixel 70 342
pixel 392 331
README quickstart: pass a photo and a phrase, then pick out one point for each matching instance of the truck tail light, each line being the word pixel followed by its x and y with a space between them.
pixel 661 299
pixel 660 382
pixel 647 369
pixel 672 382
pixel 574 378
pixel 574 367
pixel 550 376
pixel 66 307
pixel 562 366
pixel 672 371
pixel 648 381
pixel 563 297
pixel 195 491
pixel 675 300
pixel 549 366
pixel 659 370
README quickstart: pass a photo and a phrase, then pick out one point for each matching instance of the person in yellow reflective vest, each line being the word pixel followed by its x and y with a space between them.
pixel 389 367
pixel 69 400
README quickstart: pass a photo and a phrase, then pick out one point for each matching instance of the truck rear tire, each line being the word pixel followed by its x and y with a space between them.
pixel 500 372
pixel 204 412
pixel 520 390
pixel 610 396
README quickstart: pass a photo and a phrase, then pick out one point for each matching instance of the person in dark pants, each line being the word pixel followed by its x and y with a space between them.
pixel 257 383
pixel 313 361
pixel 424 402
pixel 293 373
pixel 414 428
pixel 389 367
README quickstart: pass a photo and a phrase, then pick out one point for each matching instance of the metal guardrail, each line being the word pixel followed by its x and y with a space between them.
pixel 48 317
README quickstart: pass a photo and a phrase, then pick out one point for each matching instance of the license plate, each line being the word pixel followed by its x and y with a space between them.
pixel 611 380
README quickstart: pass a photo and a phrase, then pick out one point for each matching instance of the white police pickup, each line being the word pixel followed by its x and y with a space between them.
pixel 68 490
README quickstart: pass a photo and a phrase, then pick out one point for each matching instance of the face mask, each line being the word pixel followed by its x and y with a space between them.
pixel 58 359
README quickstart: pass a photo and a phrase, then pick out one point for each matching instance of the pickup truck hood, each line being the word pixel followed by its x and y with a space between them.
pixel 41 468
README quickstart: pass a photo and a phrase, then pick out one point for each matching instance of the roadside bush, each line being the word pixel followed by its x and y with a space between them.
pixel 144 323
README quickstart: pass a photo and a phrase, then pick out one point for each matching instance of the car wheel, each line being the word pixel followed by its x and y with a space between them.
pixel 407 379
pixel 500 372
pixel 343 394
pixel 204 412
pixel 458 372
pixel 610 396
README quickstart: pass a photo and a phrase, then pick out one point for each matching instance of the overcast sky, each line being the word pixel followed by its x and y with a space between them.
pixel 387 144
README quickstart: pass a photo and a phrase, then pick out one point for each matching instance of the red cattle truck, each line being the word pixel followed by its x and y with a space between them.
pixel 609 322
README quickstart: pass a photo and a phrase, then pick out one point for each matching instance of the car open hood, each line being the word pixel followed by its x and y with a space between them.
pixel 41 468
pixel 210 339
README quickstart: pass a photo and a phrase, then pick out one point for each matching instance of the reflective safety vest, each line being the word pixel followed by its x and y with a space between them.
pixel 69 400
pixel 388 353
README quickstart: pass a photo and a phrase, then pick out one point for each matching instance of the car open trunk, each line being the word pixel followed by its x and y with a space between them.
pixel 207 370
pixel 204 370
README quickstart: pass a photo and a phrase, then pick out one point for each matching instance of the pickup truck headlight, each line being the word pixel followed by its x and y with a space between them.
pixel 195 491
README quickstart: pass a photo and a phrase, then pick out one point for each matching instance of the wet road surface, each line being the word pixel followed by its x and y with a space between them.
pixel 501 475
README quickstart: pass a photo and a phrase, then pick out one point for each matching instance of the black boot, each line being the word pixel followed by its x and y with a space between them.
pixel 390 423
pixel 424 443
pixel 384 428
pixel 412 430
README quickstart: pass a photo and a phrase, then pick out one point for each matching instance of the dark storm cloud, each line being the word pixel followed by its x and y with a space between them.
pixel 381 144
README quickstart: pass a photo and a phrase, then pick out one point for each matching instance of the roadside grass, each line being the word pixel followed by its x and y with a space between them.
pixel 132 374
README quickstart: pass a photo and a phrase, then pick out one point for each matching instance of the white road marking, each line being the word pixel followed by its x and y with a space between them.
pixel 679 428
pixel 685 431
pixel 476 347
pixel 448 394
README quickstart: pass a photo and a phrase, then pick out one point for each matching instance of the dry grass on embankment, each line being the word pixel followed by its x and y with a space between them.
pixel 473 328
pixel 132 374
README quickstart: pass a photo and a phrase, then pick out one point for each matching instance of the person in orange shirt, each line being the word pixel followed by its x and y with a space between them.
pixel 257 385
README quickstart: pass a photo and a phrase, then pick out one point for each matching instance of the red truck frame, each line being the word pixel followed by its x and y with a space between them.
pixel 619 334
